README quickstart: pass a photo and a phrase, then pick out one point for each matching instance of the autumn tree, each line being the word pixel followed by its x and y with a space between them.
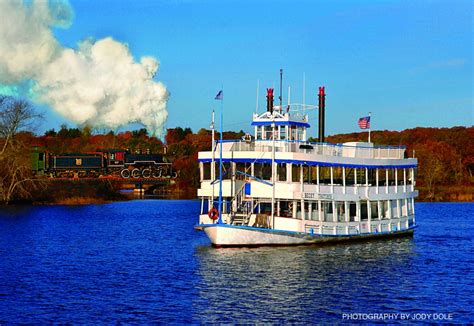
pixel 16 180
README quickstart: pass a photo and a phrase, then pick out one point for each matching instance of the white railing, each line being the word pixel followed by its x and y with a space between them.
pixel 320 149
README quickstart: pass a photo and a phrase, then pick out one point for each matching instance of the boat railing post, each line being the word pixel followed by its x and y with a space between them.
pixel 346 216
pixel 369 215
pixel 367 182
pixel 355 181
pixel 318 189
pixel 344 180
pixel 332 179
pixel 377 181
pixel 404 180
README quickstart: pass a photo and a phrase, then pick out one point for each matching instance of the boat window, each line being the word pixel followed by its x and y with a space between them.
pixel 295 172
pixel 298 210
pixel 382 177
pixel 263 171
pixel 384 209
pixel 313 207
pixel 282 132
pixel 410 206
pixel 266 171
pixel 226 171
pixel 313 176
pixel 393 206
pixel 259 133
pixel 372 177
pixel 293 133
pixel 337 175
pixel 268 132
pixel 243 168
pixel 363 211
pixel 281 170
pixel 326 207
pixel 324 174
pixel 265 208
pixel 306 173
pixel 207 171
pixel 403 206
pixel 301 133
pixel 391 177
pixel 400 177
pixel 361 176
pixel 352 211
pixel 409 177
pixel 341 211
pixel 349 176
pixel 286 208
pixel 374 210
pixel 257 170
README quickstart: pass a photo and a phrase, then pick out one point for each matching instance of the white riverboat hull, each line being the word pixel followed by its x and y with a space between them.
pixel 241 236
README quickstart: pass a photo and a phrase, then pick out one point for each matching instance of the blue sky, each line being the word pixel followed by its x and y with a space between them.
pixel 408 62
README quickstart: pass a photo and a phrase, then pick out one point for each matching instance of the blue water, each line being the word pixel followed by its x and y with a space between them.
pixel 141 262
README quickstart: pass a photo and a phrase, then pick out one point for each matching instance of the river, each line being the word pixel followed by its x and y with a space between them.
pixel 141 261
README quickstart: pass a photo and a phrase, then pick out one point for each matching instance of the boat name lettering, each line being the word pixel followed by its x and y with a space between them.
pixel 309 195
pixel 325 196
pixel 312 195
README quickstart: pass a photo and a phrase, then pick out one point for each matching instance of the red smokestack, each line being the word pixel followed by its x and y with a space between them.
pixel 270 99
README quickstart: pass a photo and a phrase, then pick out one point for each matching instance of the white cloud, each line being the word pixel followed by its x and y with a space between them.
pixel 98 84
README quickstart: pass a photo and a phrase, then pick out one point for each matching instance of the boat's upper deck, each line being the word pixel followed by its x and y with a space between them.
pixel 325 154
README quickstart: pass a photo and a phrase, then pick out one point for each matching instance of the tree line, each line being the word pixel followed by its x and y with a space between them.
pixel 445 155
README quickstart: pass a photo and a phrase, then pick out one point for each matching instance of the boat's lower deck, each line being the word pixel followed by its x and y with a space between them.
pixel 312 227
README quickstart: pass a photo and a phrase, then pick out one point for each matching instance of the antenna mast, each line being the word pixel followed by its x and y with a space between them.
pixel 281 86
pixel 258 86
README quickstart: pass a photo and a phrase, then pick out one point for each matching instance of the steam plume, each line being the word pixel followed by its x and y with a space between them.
pixel 97 84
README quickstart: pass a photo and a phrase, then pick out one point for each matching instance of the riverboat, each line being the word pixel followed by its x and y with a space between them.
pixel 277 188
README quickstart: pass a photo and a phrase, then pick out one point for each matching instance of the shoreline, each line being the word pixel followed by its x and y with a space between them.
pixel 80 201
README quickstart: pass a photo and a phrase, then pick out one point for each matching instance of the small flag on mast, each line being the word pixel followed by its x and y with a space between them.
pixel 364 122
pixel 219 95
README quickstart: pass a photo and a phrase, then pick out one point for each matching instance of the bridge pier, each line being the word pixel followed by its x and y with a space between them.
pixel 139 189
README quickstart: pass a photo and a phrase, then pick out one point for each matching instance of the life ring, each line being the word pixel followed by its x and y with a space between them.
pixel 213 214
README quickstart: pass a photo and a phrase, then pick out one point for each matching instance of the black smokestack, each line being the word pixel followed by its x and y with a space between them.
pixel 322 105
pixel 270 99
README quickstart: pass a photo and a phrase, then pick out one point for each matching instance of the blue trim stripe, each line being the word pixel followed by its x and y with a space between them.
pixel 311 163
pixel 281 123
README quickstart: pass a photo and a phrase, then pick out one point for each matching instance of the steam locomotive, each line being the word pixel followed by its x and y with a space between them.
pixel 110 162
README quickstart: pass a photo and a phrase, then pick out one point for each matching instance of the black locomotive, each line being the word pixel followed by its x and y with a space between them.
pixel 110 162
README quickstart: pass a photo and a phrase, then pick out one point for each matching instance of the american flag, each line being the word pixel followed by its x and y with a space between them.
pixel 219 95
pixel 364 123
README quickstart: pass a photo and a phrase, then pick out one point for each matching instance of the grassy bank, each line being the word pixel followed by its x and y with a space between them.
pixel 456 193
pixel 77 193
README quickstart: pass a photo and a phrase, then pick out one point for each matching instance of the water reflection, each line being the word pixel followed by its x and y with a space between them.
pixel 267 284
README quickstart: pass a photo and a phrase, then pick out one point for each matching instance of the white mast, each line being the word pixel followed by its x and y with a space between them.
pixel 213 168
pixel 289 95
pixel 258 86
pixel 370 114
pixel 304 90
